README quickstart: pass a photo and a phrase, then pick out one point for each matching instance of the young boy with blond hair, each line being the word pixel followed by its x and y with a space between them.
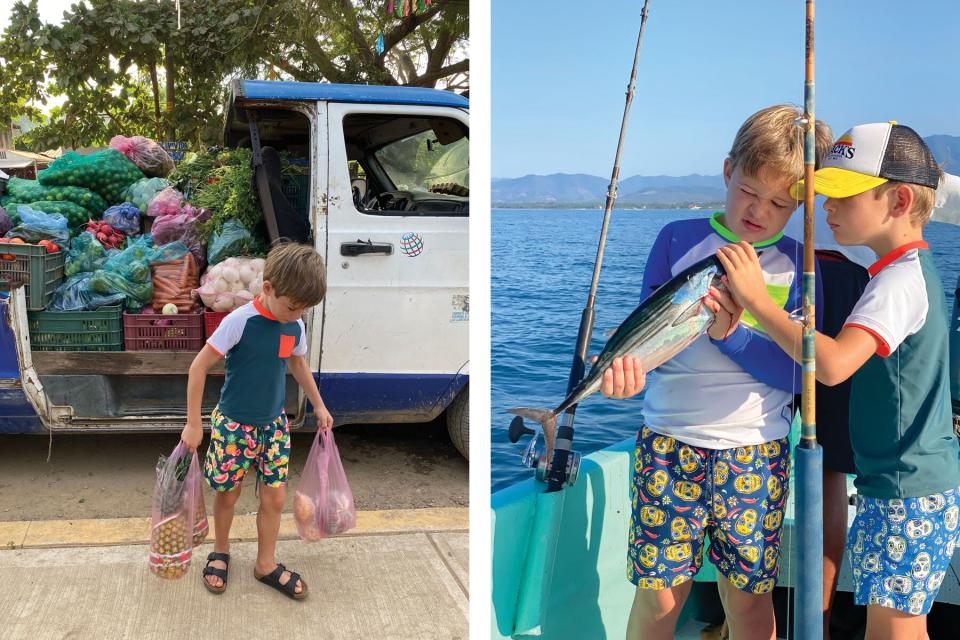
pixel 713 456
pixel 261 341
pixel 880 181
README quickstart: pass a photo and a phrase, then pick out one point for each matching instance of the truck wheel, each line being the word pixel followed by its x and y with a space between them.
pixel 458 422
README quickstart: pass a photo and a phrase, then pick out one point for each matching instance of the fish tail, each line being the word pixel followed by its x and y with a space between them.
pixel 547 420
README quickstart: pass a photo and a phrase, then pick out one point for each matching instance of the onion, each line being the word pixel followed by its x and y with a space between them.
pixel 244 296
pixel 230 274
pixel 221 286
pixel 256 287
pixel 246 274
pixel 223 302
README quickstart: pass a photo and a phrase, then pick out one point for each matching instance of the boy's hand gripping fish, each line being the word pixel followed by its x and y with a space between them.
pixel 658 329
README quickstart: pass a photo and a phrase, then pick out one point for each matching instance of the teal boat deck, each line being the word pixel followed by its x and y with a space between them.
pixel 574 585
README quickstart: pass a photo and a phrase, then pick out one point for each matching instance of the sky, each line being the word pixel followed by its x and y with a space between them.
pixel 560 71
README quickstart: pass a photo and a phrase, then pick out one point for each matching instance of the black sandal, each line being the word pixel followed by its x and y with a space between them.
pixel 290 588
pixel 217 573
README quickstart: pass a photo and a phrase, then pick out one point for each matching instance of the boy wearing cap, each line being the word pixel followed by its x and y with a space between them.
pixel 880 180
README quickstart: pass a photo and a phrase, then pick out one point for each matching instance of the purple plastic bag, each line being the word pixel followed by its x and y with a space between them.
pixel 183 227
pixel 176 515
pixel 323 503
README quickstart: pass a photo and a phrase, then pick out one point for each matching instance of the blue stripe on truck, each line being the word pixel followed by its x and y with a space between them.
pixel 388 397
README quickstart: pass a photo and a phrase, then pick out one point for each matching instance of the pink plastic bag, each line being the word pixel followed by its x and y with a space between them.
pixel 149 156
pixel 179 519
pixel 323 503
pixel 167 202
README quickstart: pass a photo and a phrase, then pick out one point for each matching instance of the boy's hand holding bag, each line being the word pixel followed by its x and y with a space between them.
pixel 323 503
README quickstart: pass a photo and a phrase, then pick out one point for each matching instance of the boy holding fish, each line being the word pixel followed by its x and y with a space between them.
pixel 713 456
pixel 880 180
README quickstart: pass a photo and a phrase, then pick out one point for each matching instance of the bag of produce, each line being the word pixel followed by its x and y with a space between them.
pixel 86 255
pixel 141 192
pixel 109 237
pixel 323 502
pixel 124 218
pixel 174 509
pixel 5 223
pixel 149 156
pixel 168 202
pixel 128 272
pixel 75 294
pixel 36 226
pixel 74 213
pixel 232 283
pixel 26 191
pixel 174 282
pixel 233 239
pixel 183 227
pixel 108 172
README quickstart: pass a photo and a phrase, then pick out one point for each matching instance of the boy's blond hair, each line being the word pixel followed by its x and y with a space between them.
pixel 771 139
pixel 296 271
pixel 924 199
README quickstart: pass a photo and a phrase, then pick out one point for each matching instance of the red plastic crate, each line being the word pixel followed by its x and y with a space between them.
pixel 157 332
pixel 212 320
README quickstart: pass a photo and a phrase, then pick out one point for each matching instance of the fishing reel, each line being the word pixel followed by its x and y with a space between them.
pixel 535 455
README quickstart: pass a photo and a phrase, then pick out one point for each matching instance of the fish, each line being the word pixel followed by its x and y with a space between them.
pixel 659 328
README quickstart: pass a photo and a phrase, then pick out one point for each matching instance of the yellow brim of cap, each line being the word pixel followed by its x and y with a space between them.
pixel 835 182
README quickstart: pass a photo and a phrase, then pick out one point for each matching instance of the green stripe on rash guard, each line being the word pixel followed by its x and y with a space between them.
pixel 732 237
pixel 779 294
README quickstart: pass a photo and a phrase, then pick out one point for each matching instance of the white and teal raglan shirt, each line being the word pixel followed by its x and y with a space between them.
pixel 731 393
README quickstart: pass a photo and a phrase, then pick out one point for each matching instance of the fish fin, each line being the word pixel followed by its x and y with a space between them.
pixel 689 313
pixel 547 420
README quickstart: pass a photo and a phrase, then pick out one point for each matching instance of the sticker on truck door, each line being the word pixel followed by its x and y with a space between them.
pixel 461 308
pixel 411 244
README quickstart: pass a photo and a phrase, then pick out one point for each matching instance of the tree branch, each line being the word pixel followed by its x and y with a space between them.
pixel 430 78
pixel 408 24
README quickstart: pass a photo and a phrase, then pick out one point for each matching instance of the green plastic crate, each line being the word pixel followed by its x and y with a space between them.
pixel 100 330
pixel 296 187
pixel 39 271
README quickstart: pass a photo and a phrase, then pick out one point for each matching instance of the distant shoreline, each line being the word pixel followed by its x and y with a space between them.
pixel 589 207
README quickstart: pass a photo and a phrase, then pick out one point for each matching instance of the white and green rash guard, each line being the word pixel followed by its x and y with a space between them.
pixel 720 395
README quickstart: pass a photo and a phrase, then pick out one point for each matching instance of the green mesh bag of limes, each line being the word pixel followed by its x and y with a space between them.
pixel 108 172
pixel 22 191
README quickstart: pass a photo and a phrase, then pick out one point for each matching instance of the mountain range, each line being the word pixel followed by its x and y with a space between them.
pixel 563 190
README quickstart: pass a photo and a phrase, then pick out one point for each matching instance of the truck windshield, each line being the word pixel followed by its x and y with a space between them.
pixel 422 163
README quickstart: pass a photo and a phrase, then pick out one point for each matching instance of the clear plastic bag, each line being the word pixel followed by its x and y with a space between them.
pixel 323 502
pixel 86 255
pixel 174 282
pixel 233 239
pixel 149 156
pixel 124 217
pixel 172 531
pixel 36 226
pixel 231 283
pixel 75 294
pixel 141 192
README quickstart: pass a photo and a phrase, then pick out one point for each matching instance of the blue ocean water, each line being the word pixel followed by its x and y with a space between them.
pixel 541 266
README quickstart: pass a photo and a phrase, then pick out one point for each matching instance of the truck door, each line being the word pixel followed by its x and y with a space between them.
pixel 395 332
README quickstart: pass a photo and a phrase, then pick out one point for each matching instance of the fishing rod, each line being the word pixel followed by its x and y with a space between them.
pixel 562 470
pixel 808 456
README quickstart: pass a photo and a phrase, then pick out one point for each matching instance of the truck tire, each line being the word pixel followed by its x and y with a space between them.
pixel 458 422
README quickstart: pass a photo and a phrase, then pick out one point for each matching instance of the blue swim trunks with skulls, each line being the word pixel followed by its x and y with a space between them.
pixel 683 493
pixel 900 549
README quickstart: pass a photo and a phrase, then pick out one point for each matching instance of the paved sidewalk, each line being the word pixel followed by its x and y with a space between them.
pixel 399 574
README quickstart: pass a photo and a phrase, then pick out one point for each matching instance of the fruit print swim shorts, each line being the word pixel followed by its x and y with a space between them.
pixel 234 447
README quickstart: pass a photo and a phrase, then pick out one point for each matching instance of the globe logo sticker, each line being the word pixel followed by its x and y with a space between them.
pixel 411 244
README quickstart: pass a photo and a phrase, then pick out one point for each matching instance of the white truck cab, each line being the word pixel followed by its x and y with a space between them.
pixel 384 198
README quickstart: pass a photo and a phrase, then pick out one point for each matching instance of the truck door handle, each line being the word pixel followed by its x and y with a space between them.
pixel 360 247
